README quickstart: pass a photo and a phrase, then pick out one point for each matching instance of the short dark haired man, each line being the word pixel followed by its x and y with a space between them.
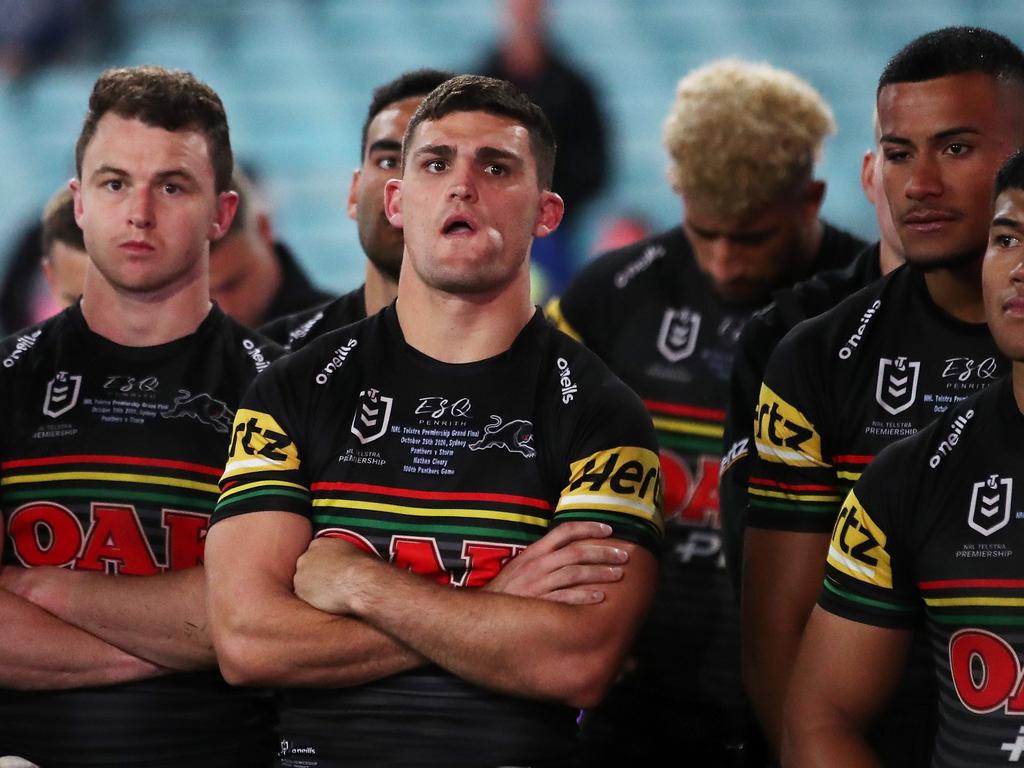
pixel 444 434
pixel 64 260
pixel 117 413
pixel 931 531
pixel 665 314
pixel 886 362
pixel 391 107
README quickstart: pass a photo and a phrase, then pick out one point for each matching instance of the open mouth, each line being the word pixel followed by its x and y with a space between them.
pixel 458 225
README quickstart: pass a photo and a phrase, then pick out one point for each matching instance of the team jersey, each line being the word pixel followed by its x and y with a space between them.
pixel 295 331
pixel 654 318
pixel 109 462
pixel 448 471
pixel 758 340
pixel 932 530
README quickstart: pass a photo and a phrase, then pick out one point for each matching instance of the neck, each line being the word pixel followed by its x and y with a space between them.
pixel 379 291
pixel 458 328
pixel 144 320
pixel 888 257
pixel 1017 377
pixel 957 290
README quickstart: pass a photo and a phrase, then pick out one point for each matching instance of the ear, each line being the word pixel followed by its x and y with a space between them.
pixel 227 205
pixel 550 210
pixel 353 194
pixel 76 190
pixel 393 202
pixel 867 176
pixel 812 198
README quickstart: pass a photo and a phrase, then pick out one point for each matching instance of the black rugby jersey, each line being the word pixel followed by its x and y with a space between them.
pixel 109 461
pixel 654 318
pixel 447 470
pixel 935 528
pixel 758 340
pixel 297 330
pixel 840 387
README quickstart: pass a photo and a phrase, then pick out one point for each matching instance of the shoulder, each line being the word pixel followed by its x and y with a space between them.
pixel 252 347
pixel 296 330
pixel 29 343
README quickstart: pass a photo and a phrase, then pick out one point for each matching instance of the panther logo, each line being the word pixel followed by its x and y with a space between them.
pixel 203 409
pixel 515 436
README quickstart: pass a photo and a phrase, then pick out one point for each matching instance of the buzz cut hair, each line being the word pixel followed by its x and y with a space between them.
pixel 476 93
pixel 171 99
pixel 1011 174
pixel 418 82
pixel 741 136
pixel 955 51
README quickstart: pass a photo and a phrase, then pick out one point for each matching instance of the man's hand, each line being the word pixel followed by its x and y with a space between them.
pixel 563 565
pixel 327 574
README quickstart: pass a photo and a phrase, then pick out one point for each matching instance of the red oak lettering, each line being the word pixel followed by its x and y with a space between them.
pixel 419 555
pixel 986 672
pixel 186 538
pixel 116 543
pixel 483 561
pixel 693 503
pixel 45 534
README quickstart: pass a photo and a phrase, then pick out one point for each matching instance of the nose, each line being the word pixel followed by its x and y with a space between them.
pixel 462 185
pixel 725 264
pixel 1017 274
pixel 925 178
pixel 140 210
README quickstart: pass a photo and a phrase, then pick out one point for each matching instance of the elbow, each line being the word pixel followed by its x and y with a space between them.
pixel 583 683
pixel 244 662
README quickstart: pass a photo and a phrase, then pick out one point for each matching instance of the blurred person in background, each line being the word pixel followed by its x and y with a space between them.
pixel 64 260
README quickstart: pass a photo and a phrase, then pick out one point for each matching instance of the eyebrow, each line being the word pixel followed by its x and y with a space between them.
pixel 440 150
pixel 161 176
pixel 960 130
pixel 1005 221
pixel 384 145
pixel 493 153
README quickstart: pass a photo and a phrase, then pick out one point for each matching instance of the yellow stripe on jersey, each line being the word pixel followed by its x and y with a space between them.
pixel 783 434
pixel 858 546
pixel 753 491
pixel 111 477
pixel 687 427
pixel 246 487
pixel 553 310
pixel 993 601
pixel 397 509
pixel 258 444
pixel 626 479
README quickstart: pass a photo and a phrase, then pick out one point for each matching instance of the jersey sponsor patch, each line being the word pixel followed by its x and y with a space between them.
pixel 626 480
pixel 677 338
pixel 61 394
pixel 858 546
pixel 990 504
pixel 259 444
pixel 784 435
pixel 896 386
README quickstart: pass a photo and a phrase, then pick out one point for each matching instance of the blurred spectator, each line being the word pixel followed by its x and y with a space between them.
pixel 526 56
pixel 253 277
pixel 64 259
pixel 34 32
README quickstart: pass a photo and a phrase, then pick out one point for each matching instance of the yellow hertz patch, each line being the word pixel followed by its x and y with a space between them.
pixel 553 310
pixel 626 480
pixel 858 546
pixel 784 435
pixel 258 444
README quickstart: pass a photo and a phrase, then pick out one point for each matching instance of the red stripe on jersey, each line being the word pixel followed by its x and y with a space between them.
pixel 431 495
pixel 972 584
pixel 685 410
pixel 852 459
pixel 132 460
pixel 790 486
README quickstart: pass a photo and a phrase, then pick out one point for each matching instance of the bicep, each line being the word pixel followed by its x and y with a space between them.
pixel 782 576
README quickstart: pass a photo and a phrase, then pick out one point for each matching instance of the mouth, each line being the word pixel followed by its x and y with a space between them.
pixel 137 246
pixel 1014 306
pixel 929 220
pixel 458 225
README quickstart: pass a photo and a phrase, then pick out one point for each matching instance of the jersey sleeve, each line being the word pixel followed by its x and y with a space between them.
pixel 264 468
pixel 614 472
pixel 868 576
pixel 793 485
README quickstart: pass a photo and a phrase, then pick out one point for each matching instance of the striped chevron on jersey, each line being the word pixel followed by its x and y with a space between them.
pixel 686 427
pixel 809 498
pixel 974 601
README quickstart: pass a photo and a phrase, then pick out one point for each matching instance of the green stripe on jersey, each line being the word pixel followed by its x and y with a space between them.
pixel 855 598
pixel 204 502
pixel 426 528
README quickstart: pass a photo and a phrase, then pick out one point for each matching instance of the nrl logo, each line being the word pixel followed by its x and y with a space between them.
pixel 990 504
pixel 897 384
pixel 61 394
pixel 373 411
pixel 678 335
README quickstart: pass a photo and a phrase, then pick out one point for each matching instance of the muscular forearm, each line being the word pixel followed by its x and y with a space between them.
pixel 827 743
pixel 160 618
pixel 768 661
pixel 39 651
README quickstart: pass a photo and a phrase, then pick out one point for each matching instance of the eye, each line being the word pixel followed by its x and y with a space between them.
pixel 171 189
pixel 957 148
pixel 1006 241
pixel 114 185
pixel 496 169
pixel 896 155
pixel 386 163
pixel 436 166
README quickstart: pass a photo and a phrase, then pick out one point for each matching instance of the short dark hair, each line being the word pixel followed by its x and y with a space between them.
pixel 418 82
pixel 1011 174
pixel 59 225
pixel 163 98
pixel 475 93
pixel 954 51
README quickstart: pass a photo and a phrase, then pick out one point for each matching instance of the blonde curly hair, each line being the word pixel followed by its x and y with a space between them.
pixel 740 135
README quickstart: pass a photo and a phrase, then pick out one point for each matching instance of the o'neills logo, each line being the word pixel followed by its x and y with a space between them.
pixel 340 355
pixel 565 379
pixel 851 344
pixel 21 346
pixel 959 423
pixel 256 354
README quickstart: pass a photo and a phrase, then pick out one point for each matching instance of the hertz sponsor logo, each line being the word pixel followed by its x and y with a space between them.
pixel 339 357
pixel 625 479
pixel 858 546
pixel 947 445
pixel 738 450
pixel 21 346
pixel 258 443
pixel 784 435
pixel 851 344
pixel 565 379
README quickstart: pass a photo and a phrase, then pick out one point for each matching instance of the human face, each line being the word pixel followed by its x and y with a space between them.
pixel 64 268
pixel 469 204
pixel 747 258
pixel 1002 274
pixel 238 273
pixel 942 142
pixel 147 206
pixel 381 242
